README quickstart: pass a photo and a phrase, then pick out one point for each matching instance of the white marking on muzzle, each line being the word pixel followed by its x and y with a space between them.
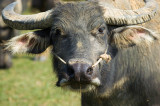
pixel 96 81
pixel 63 81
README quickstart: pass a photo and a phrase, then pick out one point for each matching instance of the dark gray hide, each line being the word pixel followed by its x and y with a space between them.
pixel 79 35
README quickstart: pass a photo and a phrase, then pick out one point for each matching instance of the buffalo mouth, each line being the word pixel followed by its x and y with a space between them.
pixel 79 86
pixel 79 75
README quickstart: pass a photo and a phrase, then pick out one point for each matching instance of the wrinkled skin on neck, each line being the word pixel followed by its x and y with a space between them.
pixel 127 81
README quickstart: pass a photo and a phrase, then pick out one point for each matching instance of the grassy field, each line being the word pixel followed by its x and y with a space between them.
pixel 30 83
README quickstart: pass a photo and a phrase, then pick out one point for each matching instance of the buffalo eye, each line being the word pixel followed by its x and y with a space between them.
pixel 101 30
pixel 58 32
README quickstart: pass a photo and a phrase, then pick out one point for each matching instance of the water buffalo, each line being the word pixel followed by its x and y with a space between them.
pixel 6 33
pixel 82 33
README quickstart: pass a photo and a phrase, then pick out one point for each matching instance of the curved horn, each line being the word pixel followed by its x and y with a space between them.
pixel 114 16
pixel 26 22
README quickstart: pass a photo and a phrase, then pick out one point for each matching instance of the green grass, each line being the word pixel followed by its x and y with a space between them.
pixel 30 83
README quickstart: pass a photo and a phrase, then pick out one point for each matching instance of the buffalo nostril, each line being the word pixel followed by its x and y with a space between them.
pixel 90 71
pixel 70 72
pixel 79 70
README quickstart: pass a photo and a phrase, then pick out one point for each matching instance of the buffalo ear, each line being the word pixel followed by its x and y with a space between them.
pixel 32 42
pixel 123 37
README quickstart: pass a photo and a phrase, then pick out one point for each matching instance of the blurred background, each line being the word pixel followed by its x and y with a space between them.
pixel 28 80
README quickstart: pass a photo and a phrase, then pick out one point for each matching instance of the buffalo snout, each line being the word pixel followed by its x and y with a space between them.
pixel 80 70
